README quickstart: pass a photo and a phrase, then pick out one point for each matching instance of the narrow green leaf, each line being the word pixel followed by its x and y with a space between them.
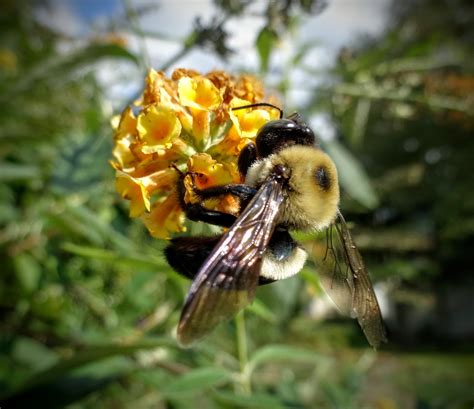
pixel 87 217
pixel 50 69
pixel 361 117
pixel 310 277
pixel 272 353
pixel 352 176
pixel 265 42
pixel 197 380
pixel 28 272
pixel 32 353
pixel 13 172
pixel 89 355
pixel 129 260
pixel 261 310
pixel 254 401
pixel 73 386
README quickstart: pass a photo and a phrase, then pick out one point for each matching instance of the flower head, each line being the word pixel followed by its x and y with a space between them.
pixel 183 130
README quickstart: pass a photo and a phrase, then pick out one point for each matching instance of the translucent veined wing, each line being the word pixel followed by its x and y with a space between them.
pixel 228 278
pixel 345 279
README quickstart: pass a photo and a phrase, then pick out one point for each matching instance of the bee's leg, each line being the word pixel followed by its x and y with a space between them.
pixel 198 213
pixel 248 155
pixel 243 192
pixel 186 255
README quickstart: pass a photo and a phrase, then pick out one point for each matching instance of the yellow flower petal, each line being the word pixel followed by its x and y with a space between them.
pixel 204 172
pixel 157 128
pixel 164 180
pixel 127 124
pixel 199 93
pixel 186 120
pixel 252 121
pixel 249 88
pixel 133 189
pixel 208 171
pixel 158 89
pixel 247 122
pixel 123 153
pixel 201 126
pixel 165 217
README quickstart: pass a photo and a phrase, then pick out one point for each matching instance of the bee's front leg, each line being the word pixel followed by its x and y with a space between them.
pixel 199 213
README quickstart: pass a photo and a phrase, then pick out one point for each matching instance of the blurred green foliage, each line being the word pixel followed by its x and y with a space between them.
pixel 88 304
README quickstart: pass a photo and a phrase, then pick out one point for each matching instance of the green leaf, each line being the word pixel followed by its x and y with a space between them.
pixel 33 354
pixel 28 272
pixel 361 117
pixel 352 176
pixel 130 260
pixel 197 380
pixel 272 353
pixel 310 277
pixel 64 66
pixel 265 42
pixel 13 172
pixel 261 310
pixel 72 387
pixel 87 217
pixel 90 355
pixel 254 401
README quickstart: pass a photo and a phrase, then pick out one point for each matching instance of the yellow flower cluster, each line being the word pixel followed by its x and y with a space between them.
pixel 183 125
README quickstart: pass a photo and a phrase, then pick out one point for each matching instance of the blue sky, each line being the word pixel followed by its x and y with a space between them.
pixel 89 10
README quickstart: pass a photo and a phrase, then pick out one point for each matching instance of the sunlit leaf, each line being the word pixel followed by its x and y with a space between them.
pixel 265 42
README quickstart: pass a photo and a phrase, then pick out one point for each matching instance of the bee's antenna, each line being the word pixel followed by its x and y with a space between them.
pixel 181 173
pixel 261 104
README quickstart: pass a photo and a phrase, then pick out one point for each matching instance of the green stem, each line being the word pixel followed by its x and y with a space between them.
pixel 242 353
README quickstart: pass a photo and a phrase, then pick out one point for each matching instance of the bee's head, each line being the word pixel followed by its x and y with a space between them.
pixel 312 188
pixel 278 134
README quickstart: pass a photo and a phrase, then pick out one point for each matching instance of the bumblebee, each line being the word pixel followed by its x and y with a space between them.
pixel 290 185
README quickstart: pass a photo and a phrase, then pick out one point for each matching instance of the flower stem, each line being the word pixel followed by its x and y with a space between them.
pixel 242 353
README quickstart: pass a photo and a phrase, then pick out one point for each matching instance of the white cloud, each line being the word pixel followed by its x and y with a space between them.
pixel 343 20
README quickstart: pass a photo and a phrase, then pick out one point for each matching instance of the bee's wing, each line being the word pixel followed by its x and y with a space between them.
pixel 345 279
pixel 227 280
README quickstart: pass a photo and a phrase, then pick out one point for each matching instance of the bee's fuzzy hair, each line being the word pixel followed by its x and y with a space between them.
pixel 309 206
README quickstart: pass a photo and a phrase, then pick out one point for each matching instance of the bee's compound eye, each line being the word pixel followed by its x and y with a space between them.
pixel 322 178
